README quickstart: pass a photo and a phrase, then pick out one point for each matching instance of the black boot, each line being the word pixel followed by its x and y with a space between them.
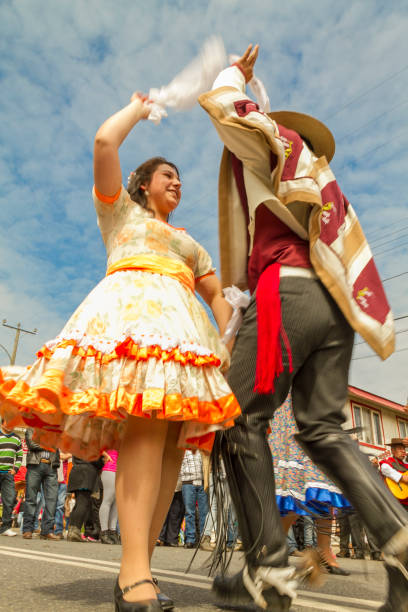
pixel 395 554
pixel 397 596
pixel 105 537
pixel 249 468
pixel 114 536
pixel 253 586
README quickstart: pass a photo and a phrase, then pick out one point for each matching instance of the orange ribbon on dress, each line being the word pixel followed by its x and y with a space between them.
pixel 156 264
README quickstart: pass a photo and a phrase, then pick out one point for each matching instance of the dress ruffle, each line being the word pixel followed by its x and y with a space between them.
pixel 71 388
pixel 316 499
pixel 300 486
pixel 192 354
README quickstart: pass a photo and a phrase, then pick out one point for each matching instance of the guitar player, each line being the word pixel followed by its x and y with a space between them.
pixel 395 468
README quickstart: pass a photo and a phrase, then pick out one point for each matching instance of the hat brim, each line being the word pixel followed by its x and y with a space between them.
pixel 318 134
pixel 396 442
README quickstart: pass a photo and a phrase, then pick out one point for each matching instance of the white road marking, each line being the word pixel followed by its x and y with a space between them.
pixel 325 607
pixel 101 568
pixel 352 600
pixel 313 600
pixel 59 556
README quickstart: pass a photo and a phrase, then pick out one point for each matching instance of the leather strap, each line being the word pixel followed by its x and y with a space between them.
pixel 126 589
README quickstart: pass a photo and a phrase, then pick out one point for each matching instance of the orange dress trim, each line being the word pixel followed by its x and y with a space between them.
pixel 129 349
pixel 156 264
pixel 183 229
pixel 105 198
pixel 198 278
pixel 37 406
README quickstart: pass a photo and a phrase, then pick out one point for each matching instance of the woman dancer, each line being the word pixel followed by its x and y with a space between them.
pixel 301 488
pixel 138 364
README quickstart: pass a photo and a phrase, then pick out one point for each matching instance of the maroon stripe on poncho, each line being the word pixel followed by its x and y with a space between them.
pixel 369 294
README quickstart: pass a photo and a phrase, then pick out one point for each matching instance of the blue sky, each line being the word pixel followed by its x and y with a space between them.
pixel 65 66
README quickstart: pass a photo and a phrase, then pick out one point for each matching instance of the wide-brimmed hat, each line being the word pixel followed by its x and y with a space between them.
pixel 396 441
pixel 318 134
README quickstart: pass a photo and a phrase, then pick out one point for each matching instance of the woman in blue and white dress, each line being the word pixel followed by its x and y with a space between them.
pixel 301 488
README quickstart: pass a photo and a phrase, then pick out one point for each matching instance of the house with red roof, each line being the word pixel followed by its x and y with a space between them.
pixel 380 420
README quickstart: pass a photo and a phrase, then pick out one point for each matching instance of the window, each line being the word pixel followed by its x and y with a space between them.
pixel 370 422
pixel 403 428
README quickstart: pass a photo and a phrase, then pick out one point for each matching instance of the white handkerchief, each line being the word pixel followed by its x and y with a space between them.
pixel 182 92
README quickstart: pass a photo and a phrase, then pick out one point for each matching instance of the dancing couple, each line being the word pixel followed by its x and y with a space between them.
pixel 139 366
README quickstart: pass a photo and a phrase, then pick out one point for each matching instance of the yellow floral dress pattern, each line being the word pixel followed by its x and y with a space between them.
pixel 139 344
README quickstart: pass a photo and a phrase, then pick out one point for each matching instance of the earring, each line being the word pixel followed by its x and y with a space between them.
pixel 146 192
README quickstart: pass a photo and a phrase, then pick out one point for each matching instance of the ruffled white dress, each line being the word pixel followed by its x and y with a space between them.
pixel 139 344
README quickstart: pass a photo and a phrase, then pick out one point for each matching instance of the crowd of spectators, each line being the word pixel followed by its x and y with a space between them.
pixel 55 496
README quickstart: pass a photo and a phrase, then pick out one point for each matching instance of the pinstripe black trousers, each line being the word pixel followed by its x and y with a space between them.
pixel 321 342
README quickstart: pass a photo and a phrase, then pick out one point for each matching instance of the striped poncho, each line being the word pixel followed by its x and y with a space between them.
pixel 280 172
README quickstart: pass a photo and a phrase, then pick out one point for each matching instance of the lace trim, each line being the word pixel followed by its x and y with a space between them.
pixel 141 348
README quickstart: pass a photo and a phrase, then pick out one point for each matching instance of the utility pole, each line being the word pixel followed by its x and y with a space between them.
pixel 18 329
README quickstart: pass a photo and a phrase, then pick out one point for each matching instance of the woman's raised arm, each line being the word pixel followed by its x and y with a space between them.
pixel 109 137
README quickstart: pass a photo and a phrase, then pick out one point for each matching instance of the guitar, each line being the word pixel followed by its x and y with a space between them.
pixel 398 489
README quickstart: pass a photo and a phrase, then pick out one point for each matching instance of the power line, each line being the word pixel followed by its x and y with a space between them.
pixel 391 277
pixel 395 247
pixel 401 331
pixel 388 243
pixel 370 356
pixel 365 155
pixel 399 246
pixel 354 132
pixel 389 234
pixel 376 231
pixel 395 319
pixel 6 351
pixel 367 91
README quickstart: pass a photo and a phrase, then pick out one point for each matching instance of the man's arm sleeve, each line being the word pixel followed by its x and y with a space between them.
pixel 389 472
pixel 32 446
pixel 245 130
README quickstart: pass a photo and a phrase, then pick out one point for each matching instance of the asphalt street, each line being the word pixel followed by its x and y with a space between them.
pixel 61 576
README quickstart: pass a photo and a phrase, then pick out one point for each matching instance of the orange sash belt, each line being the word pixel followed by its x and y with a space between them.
pixel 156 264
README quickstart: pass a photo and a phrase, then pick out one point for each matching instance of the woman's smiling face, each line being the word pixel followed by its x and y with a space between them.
pixel 164 191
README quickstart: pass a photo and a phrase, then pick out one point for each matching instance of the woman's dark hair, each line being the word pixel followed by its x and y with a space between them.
pixel 142 177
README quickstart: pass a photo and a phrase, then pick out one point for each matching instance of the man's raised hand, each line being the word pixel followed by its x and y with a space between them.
pixel 247 61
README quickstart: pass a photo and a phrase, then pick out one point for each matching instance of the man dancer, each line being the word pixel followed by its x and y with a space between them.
pixel 288 233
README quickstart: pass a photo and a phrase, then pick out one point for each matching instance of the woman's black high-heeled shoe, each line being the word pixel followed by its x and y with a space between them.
pixel 146 605
pixel 165 602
